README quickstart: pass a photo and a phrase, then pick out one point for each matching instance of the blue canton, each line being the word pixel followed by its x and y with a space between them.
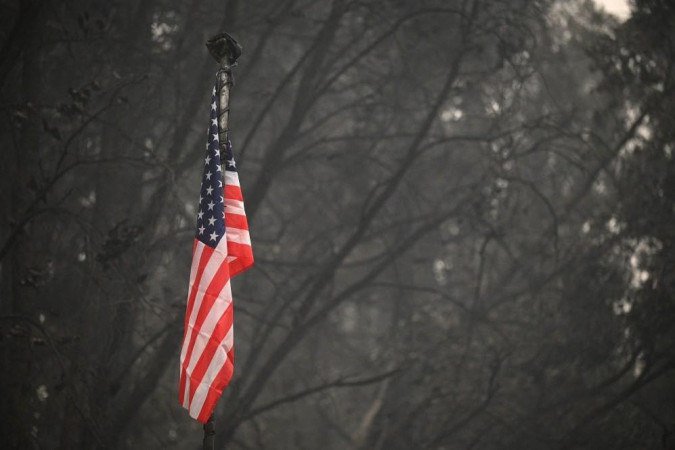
pixel 210 218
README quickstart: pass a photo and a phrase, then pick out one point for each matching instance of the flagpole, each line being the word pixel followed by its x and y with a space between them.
pixel 209 434
pixel 225 50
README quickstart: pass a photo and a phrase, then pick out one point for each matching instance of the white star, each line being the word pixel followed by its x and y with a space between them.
pixel 215 136
pixel 200 214
pixel 230 162
pixel 212 220
pixel 208 175
pixel 209 190
pixel 211 205
pixel 218 169
pixel 201 229
pixel 214 122
pixel 207 160
pixel 221 199
pixel 220 184
pixel 213 92
pixel 217 152
pixel 200 199
pixel 213 106
pixel 214 236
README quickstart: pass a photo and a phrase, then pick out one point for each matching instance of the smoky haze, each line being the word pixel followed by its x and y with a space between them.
pixel 461 213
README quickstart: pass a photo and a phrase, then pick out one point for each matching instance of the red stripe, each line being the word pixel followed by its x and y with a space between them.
pixel 222 380
pixel 219 332
pixel 239 250
pixel 236 221
pixel 233 192
pixel 243 257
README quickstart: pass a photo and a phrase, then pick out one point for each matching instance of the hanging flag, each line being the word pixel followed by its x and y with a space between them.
pixel 221 250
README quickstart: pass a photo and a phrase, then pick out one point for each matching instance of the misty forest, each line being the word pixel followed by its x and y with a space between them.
pixel 461 213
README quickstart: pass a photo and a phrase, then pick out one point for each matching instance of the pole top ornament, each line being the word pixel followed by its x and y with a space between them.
pixel 224 49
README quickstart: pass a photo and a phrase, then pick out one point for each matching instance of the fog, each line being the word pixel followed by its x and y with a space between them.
pixel 461 213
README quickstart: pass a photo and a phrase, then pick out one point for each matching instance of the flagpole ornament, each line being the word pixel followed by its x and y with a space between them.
pixel 225 50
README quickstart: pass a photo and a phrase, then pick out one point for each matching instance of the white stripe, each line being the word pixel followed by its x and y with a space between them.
pixel 199 248
pixel 186 394
pixel 217 363
pixel 234 207
pixel 213 317
pixel 193 274
pixel 195 261
pixel 238 235
pixel 215 261
pixel 232 203
pixel 231 178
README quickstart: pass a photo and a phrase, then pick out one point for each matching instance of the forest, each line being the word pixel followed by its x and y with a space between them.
pixel 461 214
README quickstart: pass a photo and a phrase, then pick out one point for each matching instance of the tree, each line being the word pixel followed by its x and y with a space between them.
pixel 460 212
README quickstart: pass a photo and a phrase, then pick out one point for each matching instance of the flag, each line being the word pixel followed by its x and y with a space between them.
pixel 221 250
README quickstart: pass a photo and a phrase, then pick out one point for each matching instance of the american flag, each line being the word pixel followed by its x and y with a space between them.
pixel 221 250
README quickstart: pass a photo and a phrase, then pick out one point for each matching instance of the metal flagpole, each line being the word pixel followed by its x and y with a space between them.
pixel 225 50
pixel 209 434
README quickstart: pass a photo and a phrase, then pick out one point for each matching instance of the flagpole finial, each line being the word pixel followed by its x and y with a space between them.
pixel 224 49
